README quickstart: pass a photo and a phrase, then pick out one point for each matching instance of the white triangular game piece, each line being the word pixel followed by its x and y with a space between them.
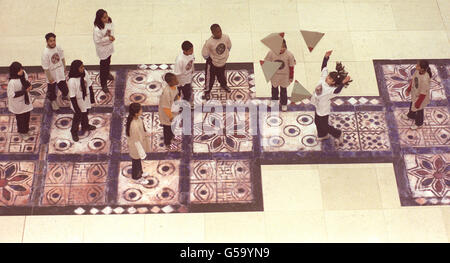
pixel 299 92
pixel 311 38
pixel 274 41
pixel 269 68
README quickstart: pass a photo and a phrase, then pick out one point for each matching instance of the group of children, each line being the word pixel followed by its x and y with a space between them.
pixel 78 88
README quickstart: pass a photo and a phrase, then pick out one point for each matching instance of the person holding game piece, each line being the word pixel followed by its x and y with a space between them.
pixel 330 85
pixel 184 70
pixel 19 102
pixel 103 39
pixel 166 101
pixel 81 97
pixel 284 75
pixel 54 65
pixel 216 51
pixel 419 88
pixel 138 142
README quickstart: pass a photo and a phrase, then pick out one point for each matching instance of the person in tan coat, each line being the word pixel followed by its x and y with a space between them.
pixel 138 142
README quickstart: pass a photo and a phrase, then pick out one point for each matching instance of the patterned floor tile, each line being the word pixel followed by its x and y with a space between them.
pixel 221 181
pixel 435 131
pixel 221 133
pixel 429 177
pixel 16 180
pixel 152 126
pixel 290 131
pixel 144 86
pixel 397 79
pixel 12 142
pixel 91 142
pixel 162 188
pixel 75 184
pixel 362 131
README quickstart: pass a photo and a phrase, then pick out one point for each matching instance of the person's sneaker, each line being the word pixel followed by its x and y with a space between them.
pixel 75 137
pixel 55 106
pixel 284 108
pixel 24 136
pixel 405 117
pixel 90 128
pixel 145 174
pixel 110 77
pixel 226 88
pixel 142 180
pixel 105 90
pixel 323 138
pixel 415 127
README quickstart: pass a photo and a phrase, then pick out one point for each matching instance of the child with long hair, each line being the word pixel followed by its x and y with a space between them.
pixel 54 65
pixel 19 101
pixel 330 85
pixel 138 144
pixel 419 88
pixel 103 40
pixel 81 97
pixel 284 75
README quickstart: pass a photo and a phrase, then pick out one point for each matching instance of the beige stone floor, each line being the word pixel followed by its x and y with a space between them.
pixel 304 203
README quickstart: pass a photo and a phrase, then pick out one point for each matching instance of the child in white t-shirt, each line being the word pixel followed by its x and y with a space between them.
pixel 184 70
pixel 329 86
pixel 81 97
pixel 103 40
pixel 54 66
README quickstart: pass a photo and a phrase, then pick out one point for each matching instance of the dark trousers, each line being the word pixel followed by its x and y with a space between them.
pixel 283 95
pixel 168 135
pixel 51 89
pixel 23 122
pixel 186 90
pixel 323 128
pixel 417 116
pixel 104 71
pixel 136 169
pixel 211 72
pixel 81 117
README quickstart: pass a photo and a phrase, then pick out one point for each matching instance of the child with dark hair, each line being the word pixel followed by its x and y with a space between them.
pixel 284 75
pixel 54 65
pixel 419 88
pixel 330 85
pixel 184 70
pixel 81 96
pixel 166 100
pixel 19 101
pixel 103 39
pixel 138 144
pixel 216 51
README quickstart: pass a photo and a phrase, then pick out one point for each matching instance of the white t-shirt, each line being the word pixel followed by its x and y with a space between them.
pixel 17 105
pixel 75 92
pixel 51 60
pixel 103 45
pixel 322 102
pixel 184 68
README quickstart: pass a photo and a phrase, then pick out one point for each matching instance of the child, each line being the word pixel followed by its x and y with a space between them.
pixel 420 94
pixel 184 70
pixel 19 101
pixel 216 51
pixel 168 96
pixel 81 97
pixel 103 39
pixel 329 86
pixel 54 66
pixel 138 144
pixel 284 75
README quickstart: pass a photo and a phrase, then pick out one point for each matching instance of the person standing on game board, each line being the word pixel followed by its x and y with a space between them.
pixel 419 88
pixel 103 39
pixel 216 51
pixel 329 86
pixel 54 65
pixel 19 101
pixel 184 70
